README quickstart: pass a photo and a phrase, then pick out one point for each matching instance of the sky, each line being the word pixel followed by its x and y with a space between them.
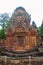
pixel 33 7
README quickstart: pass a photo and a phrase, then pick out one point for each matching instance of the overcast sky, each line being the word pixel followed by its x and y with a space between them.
pixel 33 7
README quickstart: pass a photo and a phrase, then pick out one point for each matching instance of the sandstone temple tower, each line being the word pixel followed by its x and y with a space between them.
pixel 20 35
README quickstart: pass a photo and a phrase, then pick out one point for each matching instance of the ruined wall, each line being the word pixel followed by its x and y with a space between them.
pixel 20 40
pixel 20 35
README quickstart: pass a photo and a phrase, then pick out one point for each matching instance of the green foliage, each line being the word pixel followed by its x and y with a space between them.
pixel 39 30
pixel 2 34
pixel 4 23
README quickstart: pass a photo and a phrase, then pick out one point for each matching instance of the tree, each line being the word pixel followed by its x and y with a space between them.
pixel 2 34
pixel 39 30
pixel 42 28
pixel 4 20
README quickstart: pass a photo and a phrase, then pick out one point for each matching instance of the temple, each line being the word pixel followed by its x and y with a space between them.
pixel 20 35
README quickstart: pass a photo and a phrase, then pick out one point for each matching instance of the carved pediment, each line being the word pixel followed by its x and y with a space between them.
pixel 19 29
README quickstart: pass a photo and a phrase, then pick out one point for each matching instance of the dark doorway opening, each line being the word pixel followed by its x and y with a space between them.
pixel 20 40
